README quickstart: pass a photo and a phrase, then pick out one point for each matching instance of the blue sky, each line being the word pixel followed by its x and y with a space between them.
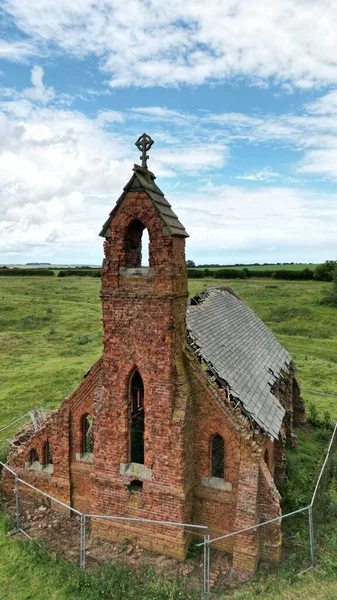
pixel 240 97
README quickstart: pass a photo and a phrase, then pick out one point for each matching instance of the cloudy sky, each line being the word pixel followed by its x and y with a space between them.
pixel 240 97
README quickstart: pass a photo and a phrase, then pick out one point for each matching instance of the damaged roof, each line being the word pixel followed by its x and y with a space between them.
pixel 143 180
pixel 241 351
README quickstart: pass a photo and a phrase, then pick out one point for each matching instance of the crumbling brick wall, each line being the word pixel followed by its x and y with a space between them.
pixel 270 536
pixel 69 480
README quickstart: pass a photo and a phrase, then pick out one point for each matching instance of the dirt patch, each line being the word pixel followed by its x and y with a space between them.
pixel 61 533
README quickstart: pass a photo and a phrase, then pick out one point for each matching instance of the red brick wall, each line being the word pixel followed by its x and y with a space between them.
pixel 70 481
pixel 269 508
pixel 144 329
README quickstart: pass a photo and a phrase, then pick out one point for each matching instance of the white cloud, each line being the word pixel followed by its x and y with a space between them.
pixel 17 51
pixel 265 174
pixel 37 93
pixel 325 105
pixel 110 116
pixel 155 43
pixel 312 134
pixel 284 222
pixel 61 172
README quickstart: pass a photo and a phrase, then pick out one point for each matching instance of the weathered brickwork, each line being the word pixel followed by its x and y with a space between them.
pixel 144 326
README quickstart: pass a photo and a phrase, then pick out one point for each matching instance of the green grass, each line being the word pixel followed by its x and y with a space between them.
pixel 51 332
pixel 29 572
pixel 50 335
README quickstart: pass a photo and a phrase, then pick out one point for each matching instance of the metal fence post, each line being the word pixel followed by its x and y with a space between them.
pixel 82 541
pixel 206 582
pixel 312 537
pixel 17 504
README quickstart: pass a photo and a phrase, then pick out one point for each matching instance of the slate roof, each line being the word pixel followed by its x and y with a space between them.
pixel 241 351
pixel 143 180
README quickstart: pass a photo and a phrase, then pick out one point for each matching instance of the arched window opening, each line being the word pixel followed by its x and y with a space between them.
pixel 145 249
pixel 137 245
pixel 87 442
pixel 47 454
pixel 266 457
pixel 137 419
pixel 33 456
pixel 218 457
pixel 135 486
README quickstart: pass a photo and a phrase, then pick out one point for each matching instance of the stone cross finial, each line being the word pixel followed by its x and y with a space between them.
pixel 144 144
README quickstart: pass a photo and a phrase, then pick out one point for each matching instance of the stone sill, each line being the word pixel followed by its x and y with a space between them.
pixel 48 469
pixel 135 470
pixel 216 483
pixel 136 272
pixel 87 458
pixel 36 466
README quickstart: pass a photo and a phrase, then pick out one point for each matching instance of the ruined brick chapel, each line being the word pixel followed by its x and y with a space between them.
pixel 186 415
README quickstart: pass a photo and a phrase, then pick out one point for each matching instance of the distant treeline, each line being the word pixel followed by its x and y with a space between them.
pixel 79 273
pixel 323 272
pixel 305 274
pixel 211 266
pixel 26 272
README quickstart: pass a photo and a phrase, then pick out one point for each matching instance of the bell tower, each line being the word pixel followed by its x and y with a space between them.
pixel 140 426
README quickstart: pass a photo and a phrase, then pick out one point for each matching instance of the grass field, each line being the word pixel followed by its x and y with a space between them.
pixel 50 335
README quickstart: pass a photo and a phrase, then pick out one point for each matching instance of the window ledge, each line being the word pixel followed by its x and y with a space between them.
pixel 136 272
pixel 135 470
pixel 48 469
pixel 35 466
pixel 216 483
pixel 88 457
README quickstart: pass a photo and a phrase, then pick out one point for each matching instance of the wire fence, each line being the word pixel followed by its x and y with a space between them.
pixel 34 418
pixel 303 531
pixel 324 500
pixel 76 530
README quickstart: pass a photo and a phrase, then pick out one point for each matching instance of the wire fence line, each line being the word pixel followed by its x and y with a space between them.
pixel 84 517
pixel 316 512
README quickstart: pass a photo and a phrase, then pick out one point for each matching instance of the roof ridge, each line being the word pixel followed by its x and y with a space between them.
pixel 143 180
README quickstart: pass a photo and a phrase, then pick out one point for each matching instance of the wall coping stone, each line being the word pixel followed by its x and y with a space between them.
pixel 135 272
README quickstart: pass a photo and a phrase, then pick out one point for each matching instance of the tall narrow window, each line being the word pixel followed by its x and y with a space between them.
pixel 137 419
pixel 33 456
pixel 266 458
pixel 133 244
pixel 47 454
pixel 87 441
pixel 218 457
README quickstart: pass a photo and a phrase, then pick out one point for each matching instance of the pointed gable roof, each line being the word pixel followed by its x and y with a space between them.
pixel 142 180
